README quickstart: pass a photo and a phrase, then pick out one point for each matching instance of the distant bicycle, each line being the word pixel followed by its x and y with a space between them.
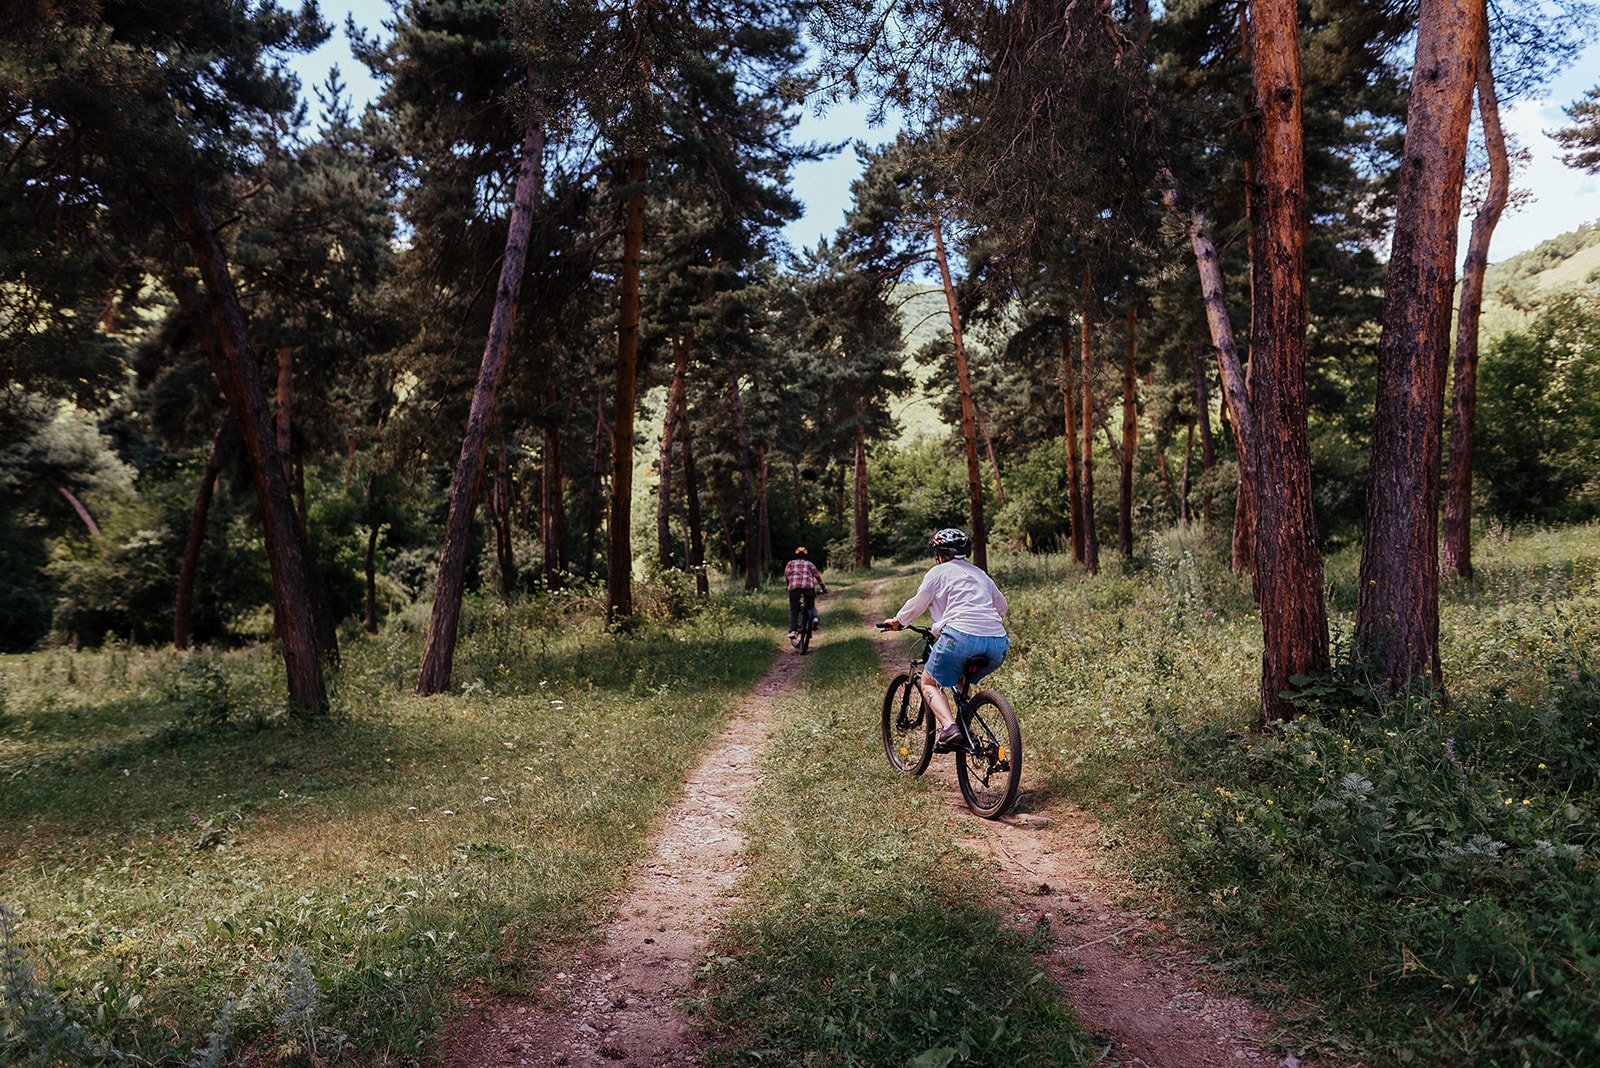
pixel 989 756
pixel 803 641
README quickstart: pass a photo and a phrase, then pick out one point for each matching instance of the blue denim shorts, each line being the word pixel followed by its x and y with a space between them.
pixel 951 652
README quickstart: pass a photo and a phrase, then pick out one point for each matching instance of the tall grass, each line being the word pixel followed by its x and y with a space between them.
pixel 1425 869
pixel 192 871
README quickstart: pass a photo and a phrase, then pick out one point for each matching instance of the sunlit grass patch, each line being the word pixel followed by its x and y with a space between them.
pixel 868 938
pixel 163 863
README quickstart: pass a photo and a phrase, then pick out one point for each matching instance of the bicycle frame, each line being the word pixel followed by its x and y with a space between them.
pixel 962 691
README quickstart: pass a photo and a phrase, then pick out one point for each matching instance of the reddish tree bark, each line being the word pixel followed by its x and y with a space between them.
pixel 1130 437
pixel 691 487
pixel 1397 614
pixel 1457 540
pixel 1091 543
pixel 439 646
pixel 80 511
pixel 1288 564
pixel 1202 407
pixel 305 637
pixel 284 414
pixel 183 605
pixel 980 547
pixel 994 464
pixel 619 541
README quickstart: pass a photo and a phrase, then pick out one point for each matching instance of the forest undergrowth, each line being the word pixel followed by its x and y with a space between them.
pixel 189 876
pixel 1423 870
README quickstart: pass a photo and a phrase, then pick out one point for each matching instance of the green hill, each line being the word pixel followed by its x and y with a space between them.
pixel 1516 286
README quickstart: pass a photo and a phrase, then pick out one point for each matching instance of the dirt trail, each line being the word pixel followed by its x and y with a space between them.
pixel 1127 981
pixel 615 1004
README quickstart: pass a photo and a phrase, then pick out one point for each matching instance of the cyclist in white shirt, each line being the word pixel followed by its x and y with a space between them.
pixel 968 613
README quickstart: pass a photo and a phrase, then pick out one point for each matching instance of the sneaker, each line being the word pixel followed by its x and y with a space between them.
pixel 949 739
pixel 793 634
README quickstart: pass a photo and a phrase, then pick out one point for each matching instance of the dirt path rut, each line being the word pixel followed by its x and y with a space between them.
pixel 1126 979
pixel 615 1004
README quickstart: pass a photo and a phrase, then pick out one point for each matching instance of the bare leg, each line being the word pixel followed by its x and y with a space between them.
pixel 936 700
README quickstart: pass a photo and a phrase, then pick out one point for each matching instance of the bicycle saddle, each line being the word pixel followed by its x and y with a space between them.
pixel 975 664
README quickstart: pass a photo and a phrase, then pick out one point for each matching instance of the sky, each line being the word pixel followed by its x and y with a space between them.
pixel 1560 198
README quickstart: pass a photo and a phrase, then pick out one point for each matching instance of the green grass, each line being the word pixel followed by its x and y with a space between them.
pixel 170 844
pixel 1439 904
pixel 868 937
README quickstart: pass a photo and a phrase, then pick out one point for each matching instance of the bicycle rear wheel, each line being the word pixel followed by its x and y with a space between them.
pixel 805 636
pixel 991 773
pixel 907 727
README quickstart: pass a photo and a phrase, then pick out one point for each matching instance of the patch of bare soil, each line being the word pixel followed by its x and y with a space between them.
pixel 1125 976
pixel 615 1003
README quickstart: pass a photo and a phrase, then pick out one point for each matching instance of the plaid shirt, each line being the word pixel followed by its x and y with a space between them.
pixel 801 574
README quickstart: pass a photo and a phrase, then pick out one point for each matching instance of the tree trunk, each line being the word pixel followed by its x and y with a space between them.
pixel 1202 409
pixel 183 606
pixel 1235 389
pixel 691 488
pixel 863 548
pixel 284 413
pixel 1130 438
pixel 619 550
pixel 1457 541
pixel 752 550
pixel 1069 406
pixel 1288 564
pixel 439 646
pixel 1166 481
pixel 669 430
pixel 295 581
pixel 369 559
pixel 1397 614
pixel 1091 544
pixel 980 548
pixel 500 516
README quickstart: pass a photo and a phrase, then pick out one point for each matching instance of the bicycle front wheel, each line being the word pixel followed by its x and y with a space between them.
pixel 992 772
pixel 907 726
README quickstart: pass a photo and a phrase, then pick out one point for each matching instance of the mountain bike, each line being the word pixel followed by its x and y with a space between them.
pixel 802 641
pixel 989 754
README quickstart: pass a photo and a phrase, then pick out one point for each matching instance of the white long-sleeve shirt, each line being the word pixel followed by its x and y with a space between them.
pixel 959 594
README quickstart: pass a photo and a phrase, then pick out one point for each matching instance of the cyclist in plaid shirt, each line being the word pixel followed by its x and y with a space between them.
pixel 803 580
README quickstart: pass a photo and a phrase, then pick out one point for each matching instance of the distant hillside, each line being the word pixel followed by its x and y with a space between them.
pixel 1515 286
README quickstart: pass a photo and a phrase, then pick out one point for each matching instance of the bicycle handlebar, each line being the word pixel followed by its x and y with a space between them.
pixel 928 634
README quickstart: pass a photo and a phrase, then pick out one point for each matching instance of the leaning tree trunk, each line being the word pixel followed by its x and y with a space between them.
pixel 980 546
pixel 1091 544
pixel 183 605
pixel 619 542
pixel 1397 614
pixel 1235 390
pixel 1069 407
pixel 691 488
pixel 295 580
pixel 439 646
pixel 669 430
pixel 1457 540
pixel 752 550
pixel 1130 438
pixel 1288 564
pixel 863 548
